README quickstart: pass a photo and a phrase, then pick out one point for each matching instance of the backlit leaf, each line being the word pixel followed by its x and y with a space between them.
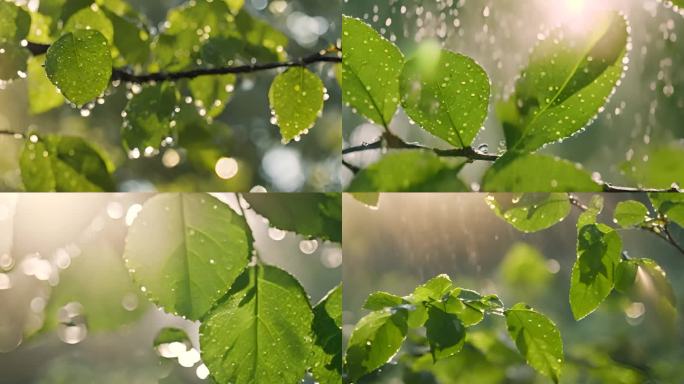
pixel 370 71
pixel 531 212
pixel 185 250
pixel 296 98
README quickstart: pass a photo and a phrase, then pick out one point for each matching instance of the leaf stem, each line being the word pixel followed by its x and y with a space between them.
pixel 121 74
pixel 394 142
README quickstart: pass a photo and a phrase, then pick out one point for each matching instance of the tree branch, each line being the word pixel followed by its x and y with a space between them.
pixel 607 187
pixel 120 74
pixel 395 142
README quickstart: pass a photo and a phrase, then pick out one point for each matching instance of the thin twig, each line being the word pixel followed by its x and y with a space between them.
pixel 120 74
pixel 16 135
pixel 610 188
pixel 354 169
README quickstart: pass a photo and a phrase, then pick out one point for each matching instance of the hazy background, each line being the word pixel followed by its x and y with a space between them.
pixel 411 238
pixel 644 115
pixel 309 165
pixel 42 236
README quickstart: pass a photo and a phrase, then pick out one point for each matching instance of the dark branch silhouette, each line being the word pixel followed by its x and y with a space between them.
pixel 120 74
pixel 391 141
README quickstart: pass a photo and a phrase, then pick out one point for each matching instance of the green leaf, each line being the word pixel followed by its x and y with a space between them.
pixel 15 22
pixel 96 285
pixel 446 93
pixel 570 76
pixel 663 170
pixel 13 59
pixel 296 98
pixel 375 339
pixel 80 65
pixel 148 118
pixel 185 250
pixel 599 250
pixel 409 171
pixel 445 333
pixel 531 212
pixel 168 335
pixel 327 330
pixel 630 213
pixel 537 173
pixel 130 40
pixel 212 92
pixel 308 214
pixel 64 164
pixel 658 280
pixel 89 18
pixel 261 331
pixel 40 32
pixel 525 268
pixel 42 95
pixel 537 339
pixel 467 313
pixel 434 289
pixel 671 205
pixel 591 214
pixel 381 300
pixel 369 199
pixel 625 275
pixel 371 66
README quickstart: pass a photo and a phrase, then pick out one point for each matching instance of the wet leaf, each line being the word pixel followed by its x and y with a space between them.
pixel 15 22
pixel 570 76
pixel 148 118
pixel 630 213
pixel 64 164
pixel 659 281
pixel 445 333
pixel 535 173
pixel 212 92
pixel 327 330
pixel 447 94
pixel 671 205
pixel 599 250
pixel 261 331
pixel 132 41
pixel 296 98
pixel 185 250
pixel 91 19
pixel 80 65
pixel 371 66
pixel 309 214
pixel 531 212
pixel 42 94
pixel 381 300
pixel 433 289
pixel 409 171
pixel 537 339
pixel 625 275
pixel 375 339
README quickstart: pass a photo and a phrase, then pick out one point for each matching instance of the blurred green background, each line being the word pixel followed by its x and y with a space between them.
pixel 411 238
pixel 311 164
pixel 628 143
pixel 55 245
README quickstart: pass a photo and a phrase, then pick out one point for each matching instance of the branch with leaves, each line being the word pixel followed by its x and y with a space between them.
pixel 446 313
pixel 602 264
pixel 177 79
pixel 447 95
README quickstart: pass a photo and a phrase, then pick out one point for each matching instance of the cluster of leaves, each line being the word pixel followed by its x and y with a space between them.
pixel 570 77
pixel 602 265
pixel 90 44
pixel 447 314
pixel 193 256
